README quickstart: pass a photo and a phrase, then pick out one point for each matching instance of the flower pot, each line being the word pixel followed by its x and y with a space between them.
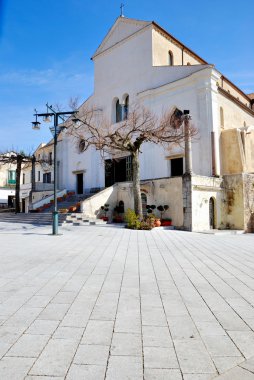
pixel 118 219
pixel 157 223
pixel 166 223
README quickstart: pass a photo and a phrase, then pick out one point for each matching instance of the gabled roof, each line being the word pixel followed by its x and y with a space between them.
pixel 123 28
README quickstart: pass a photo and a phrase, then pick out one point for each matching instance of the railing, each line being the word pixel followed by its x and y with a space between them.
pixel 47 199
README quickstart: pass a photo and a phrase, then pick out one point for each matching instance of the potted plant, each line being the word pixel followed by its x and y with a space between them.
pixel 63 210
pixel 162 209
pixel 105 209
pixel 150 208
pixel 118 212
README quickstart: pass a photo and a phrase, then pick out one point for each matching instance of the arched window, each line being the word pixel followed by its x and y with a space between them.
pixel 118 111
pixel 144 203
pixel 244 123
pixel 188 64
pixel 126 108
pixel 221 117
pixel 170 58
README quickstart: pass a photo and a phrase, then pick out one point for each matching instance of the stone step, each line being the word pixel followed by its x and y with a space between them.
pixel 31 218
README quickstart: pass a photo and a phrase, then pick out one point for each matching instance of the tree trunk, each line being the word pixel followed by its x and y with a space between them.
pixel 17 190
pixel 136 184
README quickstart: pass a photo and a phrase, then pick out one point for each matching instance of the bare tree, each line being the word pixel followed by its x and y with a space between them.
pixel 139 126
pixel 73 103
pixel 21 161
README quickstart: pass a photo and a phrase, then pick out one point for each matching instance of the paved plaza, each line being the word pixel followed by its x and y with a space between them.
pixel 104 302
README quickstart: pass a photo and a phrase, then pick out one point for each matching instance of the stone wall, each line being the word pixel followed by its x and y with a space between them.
pixel 248 190
pixel 234 214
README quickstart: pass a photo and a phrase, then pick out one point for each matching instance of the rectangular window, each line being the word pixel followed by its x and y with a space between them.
pixel 47 178
pixel 50 158
pixel 39 176
pixel 24 178
pixel 129 168
pixel 12 177
pixel 176 166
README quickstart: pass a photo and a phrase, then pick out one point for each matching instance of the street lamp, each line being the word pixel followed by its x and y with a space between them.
pixel 51 113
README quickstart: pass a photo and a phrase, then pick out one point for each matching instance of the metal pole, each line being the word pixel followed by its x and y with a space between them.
pixel 55 212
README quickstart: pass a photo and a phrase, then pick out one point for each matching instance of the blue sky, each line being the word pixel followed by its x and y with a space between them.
pixel 46 45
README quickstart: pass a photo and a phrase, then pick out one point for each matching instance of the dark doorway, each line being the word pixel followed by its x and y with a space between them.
pixel 23 208
pixel 211 213
pixel 176 166
pixel 11 203
pixel 80 185
pixel 118 170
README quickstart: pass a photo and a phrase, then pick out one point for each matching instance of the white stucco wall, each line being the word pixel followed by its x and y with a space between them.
pixel 4 193
pixel 203 189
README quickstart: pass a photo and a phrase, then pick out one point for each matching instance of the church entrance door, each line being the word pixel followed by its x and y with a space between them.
pixel 118 170
pixel 80 184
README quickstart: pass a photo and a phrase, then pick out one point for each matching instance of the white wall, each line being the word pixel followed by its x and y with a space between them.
pixel 4 193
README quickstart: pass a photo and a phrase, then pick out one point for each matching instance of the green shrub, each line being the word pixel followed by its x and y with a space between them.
pixel 132 219
pixel 134 223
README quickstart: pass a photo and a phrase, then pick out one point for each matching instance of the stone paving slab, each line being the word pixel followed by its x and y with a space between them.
pixel 101 302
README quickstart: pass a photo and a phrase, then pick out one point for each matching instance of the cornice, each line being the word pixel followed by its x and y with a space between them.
pixel 171 38
pixel 234 100
pixel 175 83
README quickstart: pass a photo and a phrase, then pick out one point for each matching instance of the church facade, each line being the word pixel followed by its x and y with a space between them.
pixel 139 61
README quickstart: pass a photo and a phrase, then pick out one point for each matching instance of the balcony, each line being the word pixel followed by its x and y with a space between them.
pixel 11 181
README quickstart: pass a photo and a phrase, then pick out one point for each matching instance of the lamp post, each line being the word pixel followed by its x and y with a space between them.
pixel 55 130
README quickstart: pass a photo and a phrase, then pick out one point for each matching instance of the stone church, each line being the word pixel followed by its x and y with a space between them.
pixel 140 61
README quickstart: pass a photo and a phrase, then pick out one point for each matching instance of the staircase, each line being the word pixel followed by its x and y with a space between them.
pixel 70 201
pixel 36 218
pixel 79 219
pixel 45 219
